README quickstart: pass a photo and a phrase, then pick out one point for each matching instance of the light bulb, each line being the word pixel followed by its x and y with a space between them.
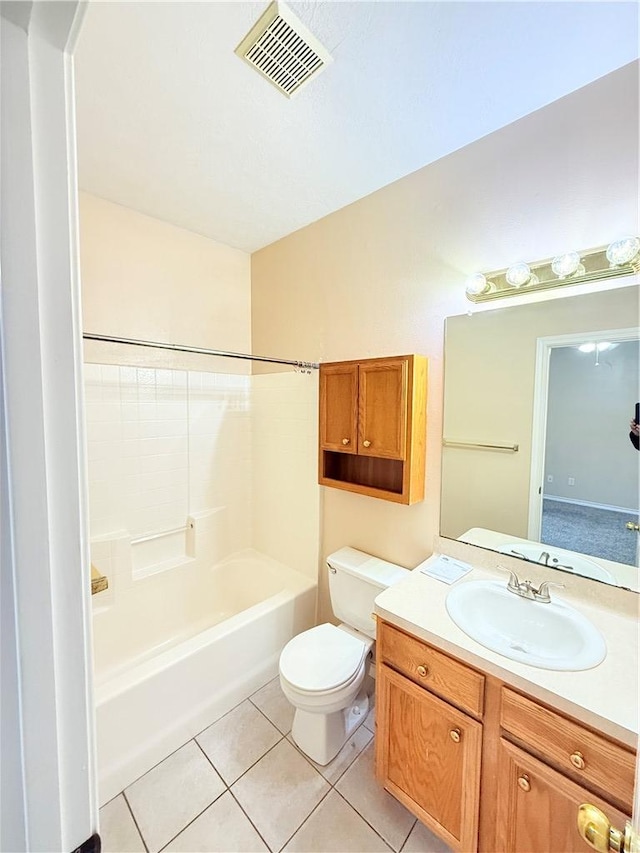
pixel 566 265
pixel 477 284
pixel 587 347
pixel 623 251
pixel 518 274
pixel 604 345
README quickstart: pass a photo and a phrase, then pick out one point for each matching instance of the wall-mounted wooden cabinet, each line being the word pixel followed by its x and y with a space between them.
pixel 484 766
pixel 373 427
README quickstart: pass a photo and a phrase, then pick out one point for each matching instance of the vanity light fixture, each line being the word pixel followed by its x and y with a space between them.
pixel 620 258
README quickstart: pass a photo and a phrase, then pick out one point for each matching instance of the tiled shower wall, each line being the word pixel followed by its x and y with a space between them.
pixel 164 445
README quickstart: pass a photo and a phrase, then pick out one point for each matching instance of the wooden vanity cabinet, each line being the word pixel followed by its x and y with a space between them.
pixel 481 764
pixel 428 751
pixel 372 427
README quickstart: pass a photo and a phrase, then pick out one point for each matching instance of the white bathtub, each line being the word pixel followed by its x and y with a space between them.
pixel 176 651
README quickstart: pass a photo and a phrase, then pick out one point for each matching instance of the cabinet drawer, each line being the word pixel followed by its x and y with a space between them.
pixel 432 669
pixel 572 747
pixel 537 807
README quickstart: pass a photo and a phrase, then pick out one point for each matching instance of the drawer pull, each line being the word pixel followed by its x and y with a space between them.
pixel 524 783
pixel 345 441
pixel 455 735
pixel 577 759
pixel 367 443
pixel 422 671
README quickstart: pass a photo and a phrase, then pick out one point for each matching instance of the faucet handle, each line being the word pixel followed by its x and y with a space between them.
pixel 514 580
pixel 542 593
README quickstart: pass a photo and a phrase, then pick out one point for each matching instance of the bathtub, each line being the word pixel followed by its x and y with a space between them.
pixel 176 651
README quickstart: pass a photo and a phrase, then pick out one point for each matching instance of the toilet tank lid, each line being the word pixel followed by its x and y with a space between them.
pixel 358 563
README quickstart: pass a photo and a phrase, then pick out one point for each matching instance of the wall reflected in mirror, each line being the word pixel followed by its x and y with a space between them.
pixel 538 462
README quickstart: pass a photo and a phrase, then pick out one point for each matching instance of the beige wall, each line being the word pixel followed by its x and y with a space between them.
pixel 491 362
pixel 284 441
pixel 143 278
pixel 379 277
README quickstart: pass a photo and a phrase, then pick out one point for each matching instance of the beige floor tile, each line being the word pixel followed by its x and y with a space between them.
pixel 385 814
pixel 275 705
pixel 334 827
pixel 172 794
pixel 222 828
pixel 279 792
pixel 422 840
pixel 370 722
pixel 118 831
pixel 347 755
pixel 238 740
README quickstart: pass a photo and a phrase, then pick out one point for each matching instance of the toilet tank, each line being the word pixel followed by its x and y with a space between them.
pixel 355 579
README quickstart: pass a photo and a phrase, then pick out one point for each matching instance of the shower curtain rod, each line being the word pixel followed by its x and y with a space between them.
pixel 303 365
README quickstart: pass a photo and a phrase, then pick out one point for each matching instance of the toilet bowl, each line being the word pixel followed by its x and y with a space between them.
pixel 322 674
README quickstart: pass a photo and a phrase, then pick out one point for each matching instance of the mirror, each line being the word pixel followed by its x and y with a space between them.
pixel 538 461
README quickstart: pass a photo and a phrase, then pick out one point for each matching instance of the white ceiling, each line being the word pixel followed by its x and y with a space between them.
pixel 172 123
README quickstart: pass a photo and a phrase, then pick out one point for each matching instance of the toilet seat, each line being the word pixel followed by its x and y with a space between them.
pixel 322 660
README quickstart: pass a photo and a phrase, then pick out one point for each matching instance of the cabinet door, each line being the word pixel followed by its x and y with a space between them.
pixel 537 807
pixel 382 411
pixel 339 407
pixel 428 757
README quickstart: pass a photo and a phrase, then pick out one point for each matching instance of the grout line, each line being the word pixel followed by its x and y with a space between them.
pixel 133 817
pixel 404 843
pixel 249 819
pixel 351 806
pixel 244 772
pixel 320 801
pixel 215 800
pixel 284 734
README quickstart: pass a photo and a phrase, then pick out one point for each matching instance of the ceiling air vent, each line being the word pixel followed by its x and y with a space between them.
pixel 283 50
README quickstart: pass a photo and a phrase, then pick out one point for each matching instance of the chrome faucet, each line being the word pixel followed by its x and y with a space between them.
pixel 525 589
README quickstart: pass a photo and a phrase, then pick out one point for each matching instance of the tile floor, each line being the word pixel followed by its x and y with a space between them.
pixel 242 785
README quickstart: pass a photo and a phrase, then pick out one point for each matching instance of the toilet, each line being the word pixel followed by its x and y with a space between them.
pixel 324 671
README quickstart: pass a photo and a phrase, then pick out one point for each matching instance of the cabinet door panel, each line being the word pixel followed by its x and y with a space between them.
pixel 544 817
pixel 424 765
pixel 382 415
pixel 339 407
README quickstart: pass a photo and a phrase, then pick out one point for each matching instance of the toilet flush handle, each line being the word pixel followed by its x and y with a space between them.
pixel 331 569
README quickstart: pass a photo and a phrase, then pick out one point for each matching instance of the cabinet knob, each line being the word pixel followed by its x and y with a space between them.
pixel 422 671
pixel 367 443
pixel 524 783
pixel 455 735
pixel 345 441
pixel 577 759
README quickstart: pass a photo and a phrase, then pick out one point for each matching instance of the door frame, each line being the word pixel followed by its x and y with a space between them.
pixel 48 774
pixel 540 403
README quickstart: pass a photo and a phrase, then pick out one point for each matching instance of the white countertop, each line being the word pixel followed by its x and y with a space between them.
pixel 604 697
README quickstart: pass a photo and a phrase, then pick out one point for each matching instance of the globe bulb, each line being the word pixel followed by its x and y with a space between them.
pixel 518 274
pixel 477 284
pixel 565 265
pixel 623 251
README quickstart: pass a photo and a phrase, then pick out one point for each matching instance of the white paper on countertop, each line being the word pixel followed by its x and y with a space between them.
pixel 446 569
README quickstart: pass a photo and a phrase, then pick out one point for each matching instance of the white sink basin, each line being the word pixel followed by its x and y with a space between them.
pixel 569 561
pixel 549 636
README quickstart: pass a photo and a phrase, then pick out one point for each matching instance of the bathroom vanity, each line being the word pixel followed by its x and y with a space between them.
pixel 493 754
